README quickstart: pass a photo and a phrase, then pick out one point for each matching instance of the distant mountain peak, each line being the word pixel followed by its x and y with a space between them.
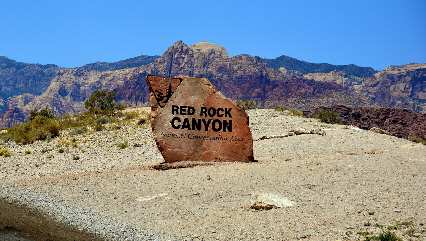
pixel 207 47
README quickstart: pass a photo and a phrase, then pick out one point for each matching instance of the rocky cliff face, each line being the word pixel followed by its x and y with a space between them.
pixel 343 79
pixel 399 87
pixel 71 87
pixel 20 78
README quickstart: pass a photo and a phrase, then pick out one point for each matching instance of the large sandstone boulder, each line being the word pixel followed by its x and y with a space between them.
pixel 193 121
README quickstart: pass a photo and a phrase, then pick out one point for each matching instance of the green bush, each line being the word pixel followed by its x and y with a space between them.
pixel 39 128
pixel 123 145
pixel 329 116
pixel 246 104
pixel 42 112
pixel 102 102
pixel 47 124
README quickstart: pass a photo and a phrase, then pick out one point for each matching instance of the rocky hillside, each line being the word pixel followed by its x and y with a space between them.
pixel 399 87
pixel 18 78
pixel 397 122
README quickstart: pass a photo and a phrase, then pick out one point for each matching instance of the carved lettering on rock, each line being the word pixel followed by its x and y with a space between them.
pixel 192 121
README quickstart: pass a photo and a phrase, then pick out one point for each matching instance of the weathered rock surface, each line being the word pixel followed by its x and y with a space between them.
pixel 192 121
pixel 208 48
pixel 397 122
pixel 341 78
pixel 399 87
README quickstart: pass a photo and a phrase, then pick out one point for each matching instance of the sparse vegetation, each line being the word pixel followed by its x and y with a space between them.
pixel 42 112
pixel 246 104
pixel 131 115
pixel 123 145
pixel 329 116
pixel 4 153
pixel 98 127
pixel 42 125
pixel 418 140
pixel 292 111
pixel 102 114
pixel 386 236
pixel 46 150
pixel 390 232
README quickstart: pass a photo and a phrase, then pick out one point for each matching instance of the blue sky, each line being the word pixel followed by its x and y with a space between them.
pixel 73 33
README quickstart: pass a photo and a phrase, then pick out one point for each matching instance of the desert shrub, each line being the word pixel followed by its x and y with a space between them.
pixel 145 118
pixel 329 116
pixel 119 114
pixel 47 124
pixel 101 102
pixel 78 130
pixel 120 107
pixel 387 236
pixel 99 127
pixel 6 137
pixel 131 115
pixel 102 120
pixel 123 145
pixel 246 104
pixel 418 140
pixel 292 111
pixel 5 153
pixel 39 128
pixel 42 112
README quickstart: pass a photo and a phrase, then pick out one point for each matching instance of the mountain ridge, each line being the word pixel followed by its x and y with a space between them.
pixel 306 67
pixel 238 77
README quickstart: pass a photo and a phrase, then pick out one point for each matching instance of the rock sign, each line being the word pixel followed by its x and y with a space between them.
pixel 192 121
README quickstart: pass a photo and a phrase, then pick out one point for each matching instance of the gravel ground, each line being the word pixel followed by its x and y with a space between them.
pixel 330 185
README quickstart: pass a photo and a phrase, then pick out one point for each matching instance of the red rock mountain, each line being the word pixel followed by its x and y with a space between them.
pixel 399 87
pixel 238 77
